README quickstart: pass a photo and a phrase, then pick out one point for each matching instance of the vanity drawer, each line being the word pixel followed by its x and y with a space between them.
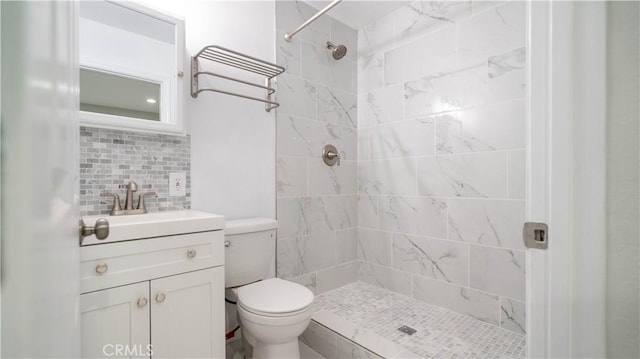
pixel 115 264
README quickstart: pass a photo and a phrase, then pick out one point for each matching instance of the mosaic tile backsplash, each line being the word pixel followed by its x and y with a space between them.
pixel 109 159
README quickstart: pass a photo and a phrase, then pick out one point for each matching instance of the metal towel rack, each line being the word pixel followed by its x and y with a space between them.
pixel 237 60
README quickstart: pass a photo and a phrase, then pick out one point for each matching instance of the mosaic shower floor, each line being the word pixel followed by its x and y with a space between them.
pixel 370 316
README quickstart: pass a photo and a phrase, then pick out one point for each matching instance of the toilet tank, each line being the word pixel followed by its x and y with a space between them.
pixel 250 247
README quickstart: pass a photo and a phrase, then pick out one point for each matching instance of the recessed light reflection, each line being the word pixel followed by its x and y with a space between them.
pixel 151 100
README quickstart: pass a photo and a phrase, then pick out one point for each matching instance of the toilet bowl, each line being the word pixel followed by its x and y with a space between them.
pixel 272 312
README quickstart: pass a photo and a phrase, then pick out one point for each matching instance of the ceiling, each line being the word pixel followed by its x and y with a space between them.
pixel 355 13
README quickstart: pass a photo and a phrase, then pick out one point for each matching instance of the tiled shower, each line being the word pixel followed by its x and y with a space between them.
pixel 429 200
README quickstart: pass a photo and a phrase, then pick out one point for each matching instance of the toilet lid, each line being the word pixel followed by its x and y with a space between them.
pixel 274 296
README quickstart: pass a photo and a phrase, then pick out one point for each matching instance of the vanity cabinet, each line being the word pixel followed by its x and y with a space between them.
pixel 158 297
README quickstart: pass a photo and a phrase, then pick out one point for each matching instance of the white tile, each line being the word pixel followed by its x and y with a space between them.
pixel 374 37
pixel 482 306
pixel 312 215
pixel 396 177
pixel 385 277
pixel 446 92
pixel 318 65
pixel 321 339
pixel 423 216
pixel 492 32
pixel 337 276
pixel 291 173
pixel 433 258
pixel 337 107
pixel 490 222
pixel 480 175
pixel 290 14
pixel 382 106
pixel 513 315
pixel 410 138
pixel 346 245
pixel 428 55
pixel 374 247
pixel 288 54
pixel 367 211
pixel 349 350
pixel 308 280
pixel 420 17
pixel 308 353
pixel 517 168
pixel 370 72
pixel 305 254
pixel 344 138
pixel 296 96
pixel 497 126
pixel 299 137
pixel 329 180
pixel 358 335
pixel 364 144
pixel 500 271
pixel 507 75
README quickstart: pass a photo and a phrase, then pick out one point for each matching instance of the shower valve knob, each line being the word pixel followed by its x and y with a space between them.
pixel 330 155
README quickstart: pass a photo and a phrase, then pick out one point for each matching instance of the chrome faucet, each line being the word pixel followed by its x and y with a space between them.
pixel 128 202
pixel 117 210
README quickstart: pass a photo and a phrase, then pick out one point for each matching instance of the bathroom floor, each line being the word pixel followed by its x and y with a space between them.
pixel 370 316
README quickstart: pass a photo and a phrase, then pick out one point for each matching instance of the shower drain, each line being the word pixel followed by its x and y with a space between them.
pixel 407 330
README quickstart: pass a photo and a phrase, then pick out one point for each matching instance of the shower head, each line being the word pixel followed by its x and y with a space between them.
pixel 337 52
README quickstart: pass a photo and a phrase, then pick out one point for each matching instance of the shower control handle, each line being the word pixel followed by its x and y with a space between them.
pixel 330 155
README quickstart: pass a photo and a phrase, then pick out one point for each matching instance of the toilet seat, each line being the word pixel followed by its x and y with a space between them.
pixel 275 298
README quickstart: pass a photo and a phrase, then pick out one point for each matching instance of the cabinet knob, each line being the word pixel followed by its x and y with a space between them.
pixel 191 253
pixel 102 268
pixel 142 302
pixel 160 297
pixel 227 244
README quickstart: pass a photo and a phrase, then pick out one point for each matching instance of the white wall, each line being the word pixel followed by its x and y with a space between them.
pixel 233 139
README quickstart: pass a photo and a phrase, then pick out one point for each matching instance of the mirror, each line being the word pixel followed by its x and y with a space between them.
pixel 131 67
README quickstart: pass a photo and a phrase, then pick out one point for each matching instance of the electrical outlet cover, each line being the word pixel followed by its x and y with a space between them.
pixel 177 184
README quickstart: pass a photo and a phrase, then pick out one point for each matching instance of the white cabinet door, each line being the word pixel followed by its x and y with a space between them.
pixel 188 315
pixel 115 322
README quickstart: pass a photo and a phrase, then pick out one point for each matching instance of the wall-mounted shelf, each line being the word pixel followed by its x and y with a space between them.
pixel 236 60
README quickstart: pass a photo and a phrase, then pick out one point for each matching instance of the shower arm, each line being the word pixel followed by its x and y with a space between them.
pixel 289 35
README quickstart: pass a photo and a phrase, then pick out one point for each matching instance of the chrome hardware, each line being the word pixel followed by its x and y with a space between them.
pixel 289 35
pixel 141 205
pixel 160 297
pixel 102 268
pixel 227 244
pixel 142 302
pixel 128 206
pixel 191 253
pixel 536 235
pixel 100 229
pixel 115 209
pixel 330 155
pixel 128 202
pixel 180 74
pixel 234 59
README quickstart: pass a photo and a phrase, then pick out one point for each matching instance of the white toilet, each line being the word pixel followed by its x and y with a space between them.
pixel 273 312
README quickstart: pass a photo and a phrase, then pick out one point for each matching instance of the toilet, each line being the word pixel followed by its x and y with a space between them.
pixel 272 312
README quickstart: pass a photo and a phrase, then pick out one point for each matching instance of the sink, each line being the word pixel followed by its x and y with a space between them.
pixel 156 224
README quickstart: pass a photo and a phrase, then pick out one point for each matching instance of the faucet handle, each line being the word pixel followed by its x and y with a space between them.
pixel 141 200
pixel 115 209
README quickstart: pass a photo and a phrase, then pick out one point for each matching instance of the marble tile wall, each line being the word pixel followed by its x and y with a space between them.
pixel 109 159
pixel 317 205
pixel 441 138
